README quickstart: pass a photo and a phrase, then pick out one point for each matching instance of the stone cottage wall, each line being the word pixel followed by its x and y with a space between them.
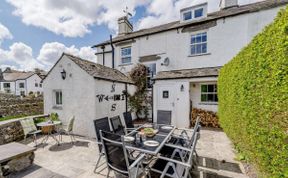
pixel 11 105
pixel 11 131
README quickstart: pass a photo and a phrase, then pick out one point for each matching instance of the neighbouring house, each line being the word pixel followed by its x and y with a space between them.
pixel 85 90
pixel 185 56
pixel 20 83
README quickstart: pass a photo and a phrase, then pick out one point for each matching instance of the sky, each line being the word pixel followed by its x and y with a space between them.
pixel 34 33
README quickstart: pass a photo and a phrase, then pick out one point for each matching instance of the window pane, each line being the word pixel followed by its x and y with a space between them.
pixel 198 13
pixel 193 49
pixel 204 48
pixel 126 60
pixel 60 101
pixel 210 97
pixel 187 15
pixel 198 38
pixel 203 97
pixel 165 94
pixel 198 48
pixel 203 88
pixel 204 37
pixel 193 39
pixel 210 88
pixel 216 98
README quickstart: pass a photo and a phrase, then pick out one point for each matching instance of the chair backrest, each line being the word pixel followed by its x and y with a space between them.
pixel 71 124
pixel 128 119
pixel 117 125
pixel 164 117
pixel 115 152
pixel 28 125
pixel 101 124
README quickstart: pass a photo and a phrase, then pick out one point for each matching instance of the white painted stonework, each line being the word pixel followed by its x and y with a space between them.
pixel 80 92
pixel 224 41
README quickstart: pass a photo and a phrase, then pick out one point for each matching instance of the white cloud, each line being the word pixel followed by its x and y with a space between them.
pixel 160 11
pixel 74 17
pixel 21 57
pixel 4 33
pixel 50 53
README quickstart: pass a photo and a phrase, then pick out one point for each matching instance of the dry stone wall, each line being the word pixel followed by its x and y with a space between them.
pixel 11 105
pixel 11 131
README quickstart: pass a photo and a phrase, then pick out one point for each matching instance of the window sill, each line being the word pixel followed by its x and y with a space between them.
pixel 127 64
pixel 208 103
pixel 204 54
pixel 57 107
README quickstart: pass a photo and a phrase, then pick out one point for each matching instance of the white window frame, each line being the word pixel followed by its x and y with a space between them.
pixel 206 93
pixel 198 43
pixel 126 56
pixel 194 11
pixel 22 83
pixel 6 86
pixel 57 103
pixel 184 12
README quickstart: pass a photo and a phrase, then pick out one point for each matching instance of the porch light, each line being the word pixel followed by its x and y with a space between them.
pixel 182 88
pixel 63 74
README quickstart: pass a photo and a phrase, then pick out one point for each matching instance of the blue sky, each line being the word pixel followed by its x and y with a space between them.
pixel 34 33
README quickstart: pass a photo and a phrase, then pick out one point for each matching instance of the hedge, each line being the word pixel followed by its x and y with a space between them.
pixel 253 99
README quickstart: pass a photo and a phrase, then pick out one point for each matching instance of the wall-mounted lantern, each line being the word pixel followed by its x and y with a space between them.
pixel 63 74
pixel 182 88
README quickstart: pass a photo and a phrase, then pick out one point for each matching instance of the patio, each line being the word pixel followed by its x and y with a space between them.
pixel 216 158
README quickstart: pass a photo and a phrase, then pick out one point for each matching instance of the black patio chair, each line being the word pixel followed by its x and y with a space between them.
pixel 164 117
pixel 175 166
pixel 183 139
pixel 117 157
pixel 128 120
pixel 117 126
pixel 100 124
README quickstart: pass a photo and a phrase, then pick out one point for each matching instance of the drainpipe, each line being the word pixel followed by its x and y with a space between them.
pixel 112 47
pixel 103 54
pixel 126 100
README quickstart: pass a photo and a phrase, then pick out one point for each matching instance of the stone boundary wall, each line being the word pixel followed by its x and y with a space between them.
pixel 11 105
pixel 11 131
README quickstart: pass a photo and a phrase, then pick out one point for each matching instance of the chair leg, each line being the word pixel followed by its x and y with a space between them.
pixel 35 139
pixel 108 173
pixel 98 161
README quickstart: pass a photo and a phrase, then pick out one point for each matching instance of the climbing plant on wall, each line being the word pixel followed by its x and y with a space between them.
pixel 138 102
pixel 253 99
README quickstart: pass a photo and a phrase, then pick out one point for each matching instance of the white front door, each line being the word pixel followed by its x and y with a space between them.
pixel 166 100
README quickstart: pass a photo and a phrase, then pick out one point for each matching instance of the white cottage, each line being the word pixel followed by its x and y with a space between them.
pixel 86 90
pixel 20 83
pixel 186 55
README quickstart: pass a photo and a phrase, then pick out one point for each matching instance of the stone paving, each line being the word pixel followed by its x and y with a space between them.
pixel 216 159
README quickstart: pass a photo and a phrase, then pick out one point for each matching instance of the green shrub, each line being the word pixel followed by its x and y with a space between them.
pixel 253 99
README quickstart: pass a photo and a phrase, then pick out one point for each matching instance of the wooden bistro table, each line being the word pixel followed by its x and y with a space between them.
pixel 162 136
pixel 50 128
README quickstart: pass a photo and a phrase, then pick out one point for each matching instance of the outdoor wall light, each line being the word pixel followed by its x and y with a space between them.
pixel 182 88
pixel 63 74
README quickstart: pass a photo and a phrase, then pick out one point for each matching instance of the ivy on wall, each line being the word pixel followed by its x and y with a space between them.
pixel 138 102
pixel 253 99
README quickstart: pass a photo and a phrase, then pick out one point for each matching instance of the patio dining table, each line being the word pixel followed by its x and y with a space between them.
pixel 50 133
pixel 162 136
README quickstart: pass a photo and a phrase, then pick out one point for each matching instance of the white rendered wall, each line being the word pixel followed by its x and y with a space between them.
pixel 77 92
pixel 31 84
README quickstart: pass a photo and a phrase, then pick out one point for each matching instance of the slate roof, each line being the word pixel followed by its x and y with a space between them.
pixel 99 71
pixel 188 73
pixel 16 75
pixel 249 8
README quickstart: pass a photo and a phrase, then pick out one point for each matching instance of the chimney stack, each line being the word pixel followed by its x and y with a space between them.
pixel 124 26
pixel 225 4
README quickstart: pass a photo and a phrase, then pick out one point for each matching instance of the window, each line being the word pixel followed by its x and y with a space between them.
pixel 6 85
pixel 40 85
pixel 126 55
pixel 21 85
pixel 58 98
pixel 36 84
pixel 199 43
pixel 165 94
pixel 22 93
pixel 209 93
pixel 187 15
pixel 198 13
pixel 151 73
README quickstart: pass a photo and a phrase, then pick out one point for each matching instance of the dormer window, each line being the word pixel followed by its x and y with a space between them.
pixel 194 12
